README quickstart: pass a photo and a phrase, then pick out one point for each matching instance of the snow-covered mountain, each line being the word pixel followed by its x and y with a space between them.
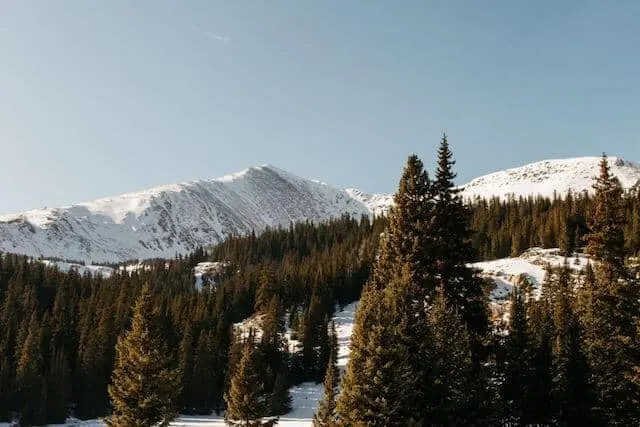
pixel 545 177
pixel 166 220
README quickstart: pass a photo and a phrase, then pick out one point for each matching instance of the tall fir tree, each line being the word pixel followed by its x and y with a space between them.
pixel 145 387
pixel 186 369
pixel 514 386
pixel 538 374
pixel 611 337
pixel 203 370
pixel 406 266
pixel 325 415
pixel 58 387
pixel 571 396
pixel 245 399
pixel 380 386
pixel 404 241
pixel 280 398
pixel 455 396
pixel 29 375
pixel 453 250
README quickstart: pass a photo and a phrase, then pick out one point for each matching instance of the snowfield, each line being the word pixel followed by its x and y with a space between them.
pixel 549 176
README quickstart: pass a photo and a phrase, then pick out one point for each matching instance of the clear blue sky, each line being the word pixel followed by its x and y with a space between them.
pixel 100 98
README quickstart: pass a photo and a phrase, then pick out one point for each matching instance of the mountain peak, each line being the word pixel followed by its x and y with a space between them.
pixel 176 218
pixel 547 177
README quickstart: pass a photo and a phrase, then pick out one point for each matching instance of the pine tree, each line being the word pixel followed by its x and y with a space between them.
pixel 186 367
pixel 379 387
pixel 333 349
pixel 245 398
pixel 611 337
pixel 538 374
pixel 29 375
pixel 450 227
pixel 570 393
pixel 455 396
pixel 516 359
pixel 201 373
pixel 280 398
pixel 144 387
pixel 404 241
pixel 325 416
pixel 58 387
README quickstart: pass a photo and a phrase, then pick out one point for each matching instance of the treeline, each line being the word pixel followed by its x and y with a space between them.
pixel 58 331
pixel 504 228
pixel 423 352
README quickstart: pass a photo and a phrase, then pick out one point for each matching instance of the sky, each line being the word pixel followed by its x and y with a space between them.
pixel 102 98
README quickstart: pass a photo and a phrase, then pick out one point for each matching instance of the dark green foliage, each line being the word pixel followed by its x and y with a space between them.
pixel 612 343
pixel 516 358
pixel 186 370
pixel 246 399
pixel 145 387
pixel 449 227
pixel 455 396
pixel 82 316
pixel 58 330
pixel 570 393
pixel 379 387
pixel 387 373
pixel 280 398
pixel 397 369
pixel 29 374
pixel 326 412
pixel 58 387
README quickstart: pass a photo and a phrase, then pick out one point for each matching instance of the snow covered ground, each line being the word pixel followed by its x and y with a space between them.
pixel 94 270
pixel 549 176
pixel 506 271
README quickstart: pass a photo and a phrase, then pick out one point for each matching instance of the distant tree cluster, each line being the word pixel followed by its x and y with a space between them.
pixel 507 227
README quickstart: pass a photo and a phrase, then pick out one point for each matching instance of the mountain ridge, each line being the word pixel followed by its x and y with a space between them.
pixel 165 220
pixel 174 218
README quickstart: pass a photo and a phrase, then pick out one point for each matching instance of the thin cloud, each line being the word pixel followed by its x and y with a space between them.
pixel 218 37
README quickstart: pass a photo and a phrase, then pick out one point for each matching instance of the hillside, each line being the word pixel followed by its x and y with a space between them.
pixel 166 220
pixel 547 177
pixel 177 218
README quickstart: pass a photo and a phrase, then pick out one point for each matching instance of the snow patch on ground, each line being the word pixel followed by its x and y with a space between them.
pixel 207 272
pixel 506 271
pixel 94 270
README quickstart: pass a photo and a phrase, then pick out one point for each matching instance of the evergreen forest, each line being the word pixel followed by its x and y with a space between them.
pixel 142 345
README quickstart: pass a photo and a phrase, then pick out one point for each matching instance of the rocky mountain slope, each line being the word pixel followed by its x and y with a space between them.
pixel 163 221
pixel 177 218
